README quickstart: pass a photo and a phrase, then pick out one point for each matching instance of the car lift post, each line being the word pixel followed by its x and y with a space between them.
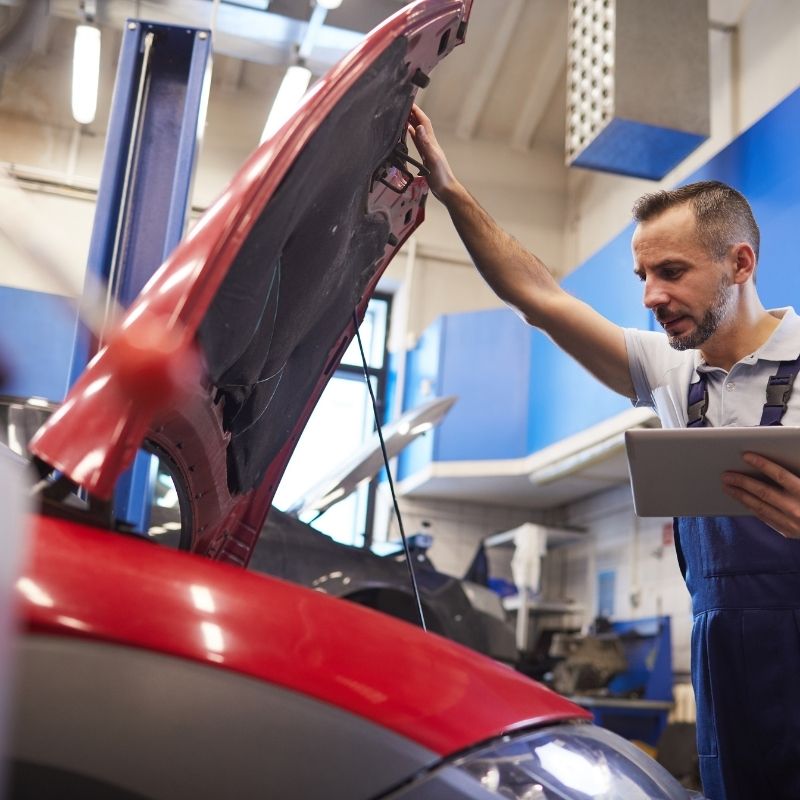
pixel 157 116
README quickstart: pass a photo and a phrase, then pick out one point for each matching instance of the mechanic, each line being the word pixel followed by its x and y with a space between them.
pixel 695 249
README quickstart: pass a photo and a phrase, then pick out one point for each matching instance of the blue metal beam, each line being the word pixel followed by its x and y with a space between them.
pixel 157 113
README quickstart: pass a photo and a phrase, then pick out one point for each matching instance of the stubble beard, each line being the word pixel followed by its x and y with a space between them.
pixel 715 314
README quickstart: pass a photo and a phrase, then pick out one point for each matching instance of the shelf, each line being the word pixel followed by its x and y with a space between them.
pixel 555 536
pixel 590 701
pixel 513 603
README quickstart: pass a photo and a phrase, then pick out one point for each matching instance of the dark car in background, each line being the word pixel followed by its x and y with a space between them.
pixel 459 610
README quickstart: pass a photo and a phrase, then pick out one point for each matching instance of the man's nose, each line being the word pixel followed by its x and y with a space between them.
pixel 654 294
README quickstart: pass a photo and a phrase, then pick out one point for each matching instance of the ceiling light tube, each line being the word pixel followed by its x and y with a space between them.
pixel 85 73
pixel 293 87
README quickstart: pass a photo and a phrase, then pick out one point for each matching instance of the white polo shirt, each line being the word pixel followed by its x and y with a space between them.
pixel 661 377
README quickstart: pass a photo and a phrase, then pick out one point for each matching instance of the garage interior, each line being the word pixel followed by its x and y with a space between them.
pixel 524 481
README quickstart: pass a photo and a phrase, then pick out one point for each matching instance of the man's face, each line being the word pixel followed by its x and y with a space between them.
pixel 690 294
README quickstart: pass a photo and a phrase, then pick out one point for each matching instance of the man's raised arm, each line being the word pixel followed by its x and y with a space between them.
pixel 519 278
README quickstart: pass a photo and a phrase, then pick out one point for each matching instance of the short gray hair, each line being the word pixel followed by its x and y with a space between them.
pixel 722 214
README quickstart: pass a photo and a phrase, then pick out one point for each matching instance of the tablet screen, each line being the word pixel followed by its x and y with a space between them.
pixel 676 472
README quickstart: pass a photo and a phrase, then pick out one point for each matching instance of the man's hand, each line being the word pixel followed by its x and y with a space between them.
pixel 441 180
pixel 777 503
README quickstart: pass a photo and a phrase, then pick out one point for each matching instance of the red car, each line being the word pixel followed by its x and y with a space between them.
pixel 143 672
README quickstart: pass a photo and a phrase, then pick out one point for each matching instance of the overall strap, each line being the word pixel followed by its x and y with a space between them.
pixel 779 389
pixel 698 403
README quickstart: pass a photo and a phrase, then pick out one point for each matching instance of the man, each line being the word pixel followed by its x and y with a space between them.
pixel 695 250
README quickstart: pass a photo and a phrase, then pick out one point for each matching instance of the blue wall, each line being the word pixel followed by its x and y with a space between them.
pixel 521 393
pixel 491 382
pixel 422 383
pixel 564 398
pixel 482 358
pixel 38 333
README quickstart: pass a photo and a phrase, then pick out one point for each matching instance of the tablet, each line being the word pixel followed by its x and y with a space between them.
pixel 675 472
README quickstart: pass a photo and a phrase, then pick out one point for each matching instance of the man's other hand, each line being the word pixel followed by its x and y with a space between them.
pixel 777 502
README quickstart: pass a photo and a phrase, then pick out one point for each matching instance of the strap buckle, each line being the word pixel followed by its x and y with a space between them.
pixel 779 389
pixel 696 410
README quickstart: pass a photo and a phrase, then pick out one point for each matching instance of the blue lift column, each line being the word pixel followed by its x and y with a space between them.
pixel 157 113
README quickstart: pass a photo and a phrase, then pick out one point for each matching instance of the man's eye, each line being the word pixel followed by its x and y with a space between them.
pixel 671 274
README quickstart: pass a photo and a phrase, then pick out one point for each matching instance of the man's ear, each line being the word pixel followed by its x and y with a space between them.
pixel 745 262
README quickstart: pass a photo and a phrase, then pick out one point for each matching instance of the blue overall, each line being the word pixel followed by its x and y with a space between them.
pixel 744 580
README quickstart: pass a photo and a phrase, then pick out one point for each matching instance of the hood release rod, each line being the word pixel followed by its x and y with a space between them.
pixel 406 549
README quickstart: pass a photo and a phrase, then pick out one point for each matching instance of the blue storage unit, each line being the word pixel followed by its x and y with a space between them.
pixel 519 393
pixel 648 649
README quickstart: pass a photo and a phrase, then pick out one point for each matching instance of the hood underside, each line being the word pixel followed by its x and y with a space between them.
pixel 304 269
pixel 221 359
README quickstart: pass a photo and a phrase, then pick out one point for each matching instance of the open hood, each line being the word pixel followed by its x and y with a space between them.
pixel 219 362
pixel 366 462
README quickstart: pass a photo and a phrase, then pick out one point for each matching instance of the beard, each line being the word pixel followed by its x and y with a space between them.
pixel 714 315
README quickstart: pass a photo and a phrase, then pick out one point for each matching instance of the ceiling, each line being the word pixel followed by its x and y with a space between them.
pixel 505 86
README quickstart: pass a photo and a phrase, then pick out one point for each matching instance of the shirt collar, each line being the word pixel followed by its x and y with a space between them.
pixel 782 345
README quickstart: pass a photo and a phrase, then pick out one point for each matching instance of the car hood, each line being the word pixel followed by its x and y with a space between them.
pixel 222 357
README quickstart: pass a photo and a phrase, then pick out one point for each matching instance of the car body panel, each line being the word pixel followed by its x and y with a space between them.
pixel 87 583
pixel 185 729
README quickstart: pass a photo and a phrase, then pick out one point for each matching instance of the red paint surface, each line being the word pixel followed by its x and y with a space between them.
pixel 108 587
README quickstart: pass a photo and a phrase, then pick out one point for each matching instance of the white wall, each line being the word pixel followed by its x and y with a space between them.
pixel 457 528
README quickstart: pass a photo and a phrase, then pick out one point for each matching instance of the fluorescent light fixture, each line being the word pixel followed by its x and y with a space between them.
pixel 85 73
pixel 329 5
pixel 293 87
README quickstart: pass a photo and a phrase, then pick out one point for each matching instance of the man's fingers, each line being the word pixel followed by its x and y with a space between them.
pixel 752 485
pixel 418 114
pixel 781 476
pixel 778 521
pixel 771 505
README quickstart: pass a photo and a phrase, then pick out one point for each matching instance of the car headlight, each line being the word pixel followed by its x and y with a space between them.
pixel 563 762
pixel 568 762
